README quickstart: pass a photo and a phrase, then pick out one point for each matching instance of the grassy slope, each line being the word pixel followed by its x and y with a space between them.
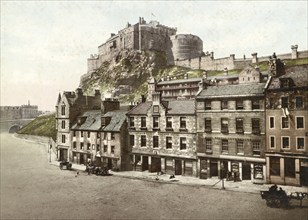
pixel 41 126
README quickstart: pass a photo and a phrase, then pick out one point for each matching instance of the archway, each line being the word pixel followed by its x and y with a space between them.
pixel 14 128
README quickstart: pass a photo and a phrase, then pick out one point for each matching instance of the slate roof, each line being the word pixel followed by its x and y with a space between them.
pixel 92 122
pixel 140 109
pixel 232 91
pixel 117 120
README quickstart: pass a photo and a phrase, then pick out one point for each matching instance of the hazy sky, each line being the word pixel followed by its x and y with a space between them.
pixel 45 44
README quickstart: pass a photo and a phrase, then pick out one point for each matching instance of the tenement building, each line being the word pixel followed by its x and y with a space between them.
pixel 162 135
pixel 286 127
pixel 231 128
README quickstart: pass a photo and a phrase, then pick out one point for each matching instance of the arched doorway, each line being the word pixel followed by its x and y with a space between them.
pixel 14 128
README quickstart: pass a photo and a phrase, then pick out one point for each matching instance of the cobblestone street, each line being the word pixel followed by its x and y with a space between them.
pixel 31 188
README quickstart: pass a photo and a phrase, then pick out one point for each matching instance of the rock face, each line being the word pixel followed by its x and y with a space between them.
pixel 125 75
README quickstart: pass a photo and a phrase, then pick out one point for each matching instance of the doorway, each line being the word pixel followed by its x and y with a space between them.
pixel 213 168
pixel 156 164
pixel 178 167
pixel 246 171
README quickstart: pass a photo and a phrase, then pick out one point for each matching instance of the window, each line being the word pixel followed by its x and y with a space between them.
pixel 74 133
pixel 156 109
pixel 112 136
pixel 300 143
pixel 182 143
pixel 143 141
pixel 105 148
pixel 224 146
pixel 105 135
pixel 63 125
pixel 284 102
pixel 271 103
pixel 98 147
pixel 155 141
pixel 183 122
pixel 169 122
pixel 207 105
pixel 299 122
pixel 93 146
pixel 74 145
pixel 208 144
pixel 255 104
pixel 88 134
pixel 299 103
pixel 284 122
pixel 239 126
pixel 272 142
pixel 168 142
pixel 63 110
pixel 285 83
pixel 224 125
pixel 155 122
pixel 81 133
pixel 88 146
pixel 63 138
pixel 290 164
pixel 81 146
pixel 275 166
pixel 256 148
pixel 239 104
pixel 143 122
pixel 131 122
pixel 240 147
pixel 224 105
pixel 98 134
pixel 112 149
pixel 285 142
pixel 271 122
pixel 132 140
pixel 207 125
pixel 255 122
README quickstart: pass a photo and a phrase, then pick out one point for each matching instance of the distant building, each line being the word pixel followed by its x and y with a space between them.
pixel 19 112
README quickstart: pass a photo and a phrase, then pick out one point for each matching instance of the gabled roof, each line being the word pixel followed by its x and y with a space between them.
pixel 117 120
pixel 91 123
pixel 238 90
pixel 140 109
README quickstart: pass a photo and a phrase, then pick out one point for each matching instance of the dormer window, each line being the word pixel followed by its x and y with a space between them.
pixel 285 83
pixel 156 109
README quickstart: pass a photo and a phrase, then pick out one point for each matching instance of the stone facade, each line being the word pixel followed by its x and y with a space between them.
pixel 18 112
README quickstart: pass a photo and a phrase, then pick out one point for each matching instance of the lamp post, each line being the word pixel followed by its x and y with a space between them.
pixel 222 169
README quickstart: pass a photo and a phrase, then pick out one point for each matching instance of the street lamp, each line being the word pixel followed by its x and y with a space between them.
pixel 222 169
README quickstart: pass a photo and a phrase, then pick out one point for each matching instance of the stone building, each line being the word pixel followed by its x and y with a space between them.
pixel 18 112
pixel 70 105
pixel 286 127
pixel 162 136
pixel 231 128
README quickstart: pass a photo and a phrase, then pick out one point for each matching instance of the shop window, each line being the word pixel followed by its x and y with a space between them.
pixel 300 143
pixel 272 142
pixel 240 147
pixel 224 105
pixel 183 122
pixel 88 146
pixel 240 126
pixel 256 148
pixel 299 122
pixel 275 166
pixel 284 102
pixel 239 104
pixel 207 125
pixel 169 142
pixel 182 143
pixel 289 164
pixel 271 122
pixel 258 171
pixel 169 122
pixel 285 142
pixel 63 138
pixel 131 122
pixel 143 122
pixel 299 103
pixel 224 146
pixel 63 125
pixel 63 110
pixel 207 105
pixel 255 126
pixel 143 141
pixel 155 141
pixel 112 149
pixel 255 104
pixel 155 122
pixel 208 144
pixel 81 146
pixel 224 125
pixel 284 122
pixel 105 148
pixel 132 140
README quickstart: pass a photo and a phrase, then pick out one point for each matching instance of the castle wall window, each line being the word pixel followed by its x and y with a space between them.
pixel 207 105
pixel 182 143
pixel 208 144
pixel 105 148
pixel 112 149
pixel 224 125
pixel 255 125
pixel 132 122
pixel 169 122
pixel 239 104
pixel 207 125
pixel 255 104
pixel 290 164
pixel 63 110
pixel 155 122
pixel 224 105
pixel 275 166
pixel 284 102
pixel 63 138
pixel 224 146
pixel 300 143
pixel 143 141
pixel 240 147
pixel 271 122
pixel 284 122
pixel 132 140
pixel 256 148
pixel 299 122
pixel 183 122
pixel 143 122
pixel 169 142
pixel 239 125
pixel 155 141
pixel 285 142
pixel 272 142
pixel 299 103
pixel 81 146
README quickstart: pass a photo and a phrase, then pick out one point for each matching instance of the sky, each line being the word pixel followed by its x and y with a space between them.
pixel 45 44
